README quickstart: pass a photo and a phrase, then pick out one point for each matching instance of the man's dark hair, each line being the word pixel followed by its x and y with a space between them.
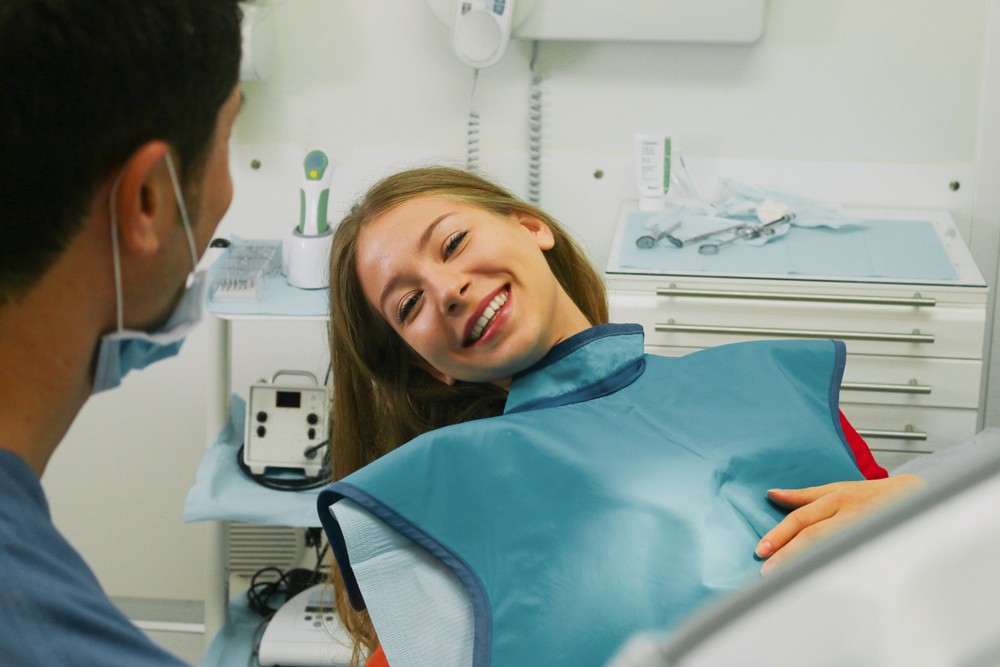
pixel 86 82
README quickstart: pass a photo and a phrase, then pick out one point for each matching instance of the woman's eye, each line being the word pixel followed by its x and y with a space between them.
pixel 405 308
pixel 454 241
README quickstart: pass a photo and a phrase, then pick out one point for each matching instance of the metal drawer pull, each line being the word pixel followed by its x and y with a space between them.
pixel 908 433
pixel 915 337
pixel 912 388
pixel 915 300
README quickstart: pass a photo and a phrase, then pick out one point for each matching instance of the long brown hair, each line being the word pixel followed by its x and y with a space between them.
pixel 381 398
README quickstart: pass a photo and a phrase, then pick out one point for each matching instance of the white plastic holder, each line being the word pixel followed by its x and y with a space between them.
pixel 305 260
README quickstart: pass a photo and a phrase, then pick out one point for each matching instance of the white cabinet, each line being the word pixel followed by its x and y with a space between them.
pixel 915 344
pixel 221 493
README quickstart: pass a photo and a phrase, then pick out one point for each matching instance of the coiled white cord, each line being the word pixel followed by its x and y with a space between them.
pixel 535 130
pixel 472 130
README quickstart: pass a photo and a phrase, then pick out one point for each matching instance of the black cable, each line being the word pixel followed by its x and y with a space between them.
pixel 310 452
pixel 260 592
pixel 287 585
pixel 284 484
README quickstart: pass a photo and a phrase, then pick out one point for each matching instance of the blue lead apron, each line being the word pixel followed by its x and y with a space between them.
pixel 618 491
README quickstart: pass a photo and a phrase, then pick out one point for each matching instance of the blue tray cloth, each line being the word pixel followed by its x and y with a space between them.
pixel 278 298
pixel 889 249
pixel 222 492
pixel 234 644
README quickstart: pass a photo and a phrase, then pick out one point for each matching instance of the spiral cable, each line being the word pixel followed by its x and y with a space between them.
pixel 472 130
pixel 535 130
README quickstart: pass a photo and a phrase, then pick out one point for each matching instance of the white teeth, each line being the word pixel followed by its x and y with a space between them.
pixel 491 309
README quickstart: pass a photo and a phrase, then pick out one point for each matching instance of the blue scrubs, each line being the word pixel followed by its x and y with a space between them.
pixel 52 609
pixel 618 492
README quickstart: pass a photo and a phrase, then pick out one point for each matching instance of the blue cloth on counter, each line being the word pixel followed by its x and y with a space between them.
pixel 222 492
pixel 234 642
pixel 278 299
pixel 52 608
pixel 619 491
pixel 900 249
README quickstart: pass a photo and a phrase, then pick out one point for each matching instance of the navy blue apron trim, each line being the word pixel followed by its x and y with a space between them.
pixel 482 613
pixel 335 536
pixel 574 343
pixel 620 379
pixel 836 378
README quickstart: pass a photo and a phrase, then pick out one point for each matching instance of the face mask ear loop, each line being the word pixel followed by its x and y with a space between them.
pixel 184 213
pixel 116 261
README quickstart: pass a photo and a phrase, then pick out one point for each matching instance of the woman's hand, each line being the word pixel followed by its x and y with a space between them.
pixel 819 511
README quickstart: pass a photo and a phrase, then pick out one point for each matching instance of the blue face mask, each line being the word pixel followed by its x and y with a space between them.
pixel 123 350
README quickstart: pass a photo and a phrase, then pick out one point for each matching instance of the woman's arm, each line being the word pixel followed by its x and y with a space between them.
pixel 819 511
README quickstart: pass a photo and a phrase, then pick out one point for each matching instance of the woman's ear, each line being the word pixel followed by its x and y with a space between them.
pixel 140 198
pixel 539 229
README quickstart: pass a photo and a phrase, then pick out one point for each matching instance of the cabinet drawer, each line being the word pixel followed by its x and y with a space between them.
pixel 953 331
pixel 910 430
pixel 914 381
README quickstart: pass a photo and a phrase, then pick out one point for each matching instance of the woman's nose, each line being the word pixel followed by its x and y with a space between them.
pixel 453 296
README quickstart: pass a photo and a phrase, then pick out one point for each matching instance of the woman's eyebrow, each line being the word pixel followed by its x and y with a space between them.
pixel 421 244
pixel 426 236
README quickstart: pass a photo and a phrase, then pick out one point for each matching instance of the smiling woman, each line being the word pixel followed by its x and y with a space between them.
pixel 468 290
pixel 550 488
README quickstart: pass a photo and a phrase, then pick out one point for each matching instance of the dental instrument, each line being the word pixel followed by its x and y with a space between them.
pixel 680 243
pixel 748 232
pixel 647 241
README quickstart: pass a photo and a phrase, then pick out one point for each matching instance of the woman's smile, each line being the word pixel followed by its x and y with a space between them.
pixel 489 315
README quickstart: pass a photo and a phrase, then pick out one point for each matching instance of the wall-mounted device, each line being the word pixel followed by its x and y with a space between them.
pixel 306 632
pixel 286 425
pixel 480 32
pixel 305 255
pixel 708 21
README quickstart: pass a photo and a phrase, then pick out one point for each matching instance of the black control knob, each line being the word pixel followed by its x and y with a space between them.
pixel 262 416
pixel 313 418
pixel 261 431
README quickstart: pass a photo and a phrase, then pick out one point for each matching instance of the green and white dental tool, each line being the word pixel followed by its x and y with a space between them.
pixel 314 194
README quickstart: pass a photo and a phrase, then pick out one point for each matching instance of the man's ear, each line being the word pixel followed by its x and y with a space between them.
pixel 140 198
pixel 539 229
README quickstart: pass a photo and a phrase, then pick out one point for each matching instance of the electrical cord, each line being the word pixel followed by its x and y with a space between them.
pixel 535 129
pixel 472 130
pixel 289 484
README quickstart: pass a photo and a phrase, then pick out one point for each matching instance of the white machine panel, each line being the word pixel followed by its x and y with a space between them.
pixel 284 422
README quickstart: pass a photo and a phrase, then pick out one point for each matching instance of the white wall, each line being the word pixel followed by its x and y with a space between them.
pixel 858 101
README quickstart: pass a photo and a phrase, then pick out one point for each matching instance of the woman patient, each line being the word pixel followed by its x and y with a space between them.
pixel 566 489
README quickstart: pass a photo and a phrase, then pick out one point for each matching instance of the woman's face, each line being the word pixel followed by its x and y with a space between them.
pixel 468 290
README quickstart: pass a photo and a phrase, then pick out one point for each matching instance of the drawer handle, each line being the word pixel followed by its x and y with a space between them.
pixel 912 388
pixel 908 433
pixel 916 300
pixel 915 337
